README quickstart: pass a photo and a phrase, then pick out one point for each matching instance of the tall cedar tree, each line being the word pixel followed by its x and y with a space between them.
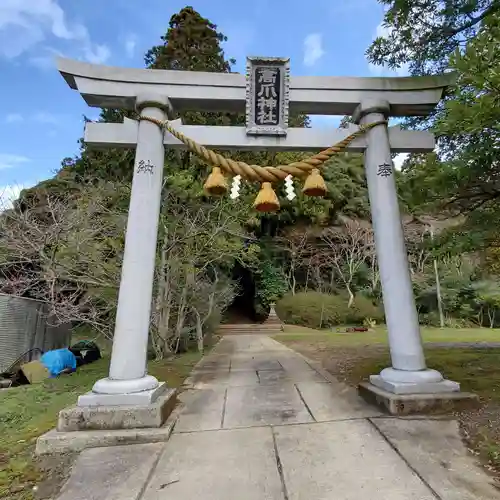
pixel 192 43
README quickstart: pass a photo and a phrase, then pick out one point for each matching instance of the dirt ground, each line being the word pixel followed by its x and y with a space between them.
pixel 55 470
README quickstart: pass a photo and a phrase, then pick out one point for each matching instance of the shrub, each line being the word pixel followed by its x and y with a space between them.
pixel 363 308
pixel 317 310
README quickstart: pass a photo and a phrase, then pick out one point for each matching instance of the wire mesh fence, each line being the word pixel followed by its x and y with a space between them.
pixel 26 328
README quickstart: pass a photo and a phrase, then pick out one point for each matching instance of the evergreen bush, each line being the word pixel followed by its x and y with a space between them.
pixel 319 310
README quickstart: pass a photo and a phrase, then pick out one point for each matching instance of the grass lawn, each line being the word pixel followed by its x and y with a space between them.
pixel 379 335
pixel 28 411
pixel 354 357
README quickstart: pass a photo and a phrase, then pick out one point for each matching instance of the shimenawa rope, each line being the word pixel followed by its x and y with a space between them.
pixel 257 172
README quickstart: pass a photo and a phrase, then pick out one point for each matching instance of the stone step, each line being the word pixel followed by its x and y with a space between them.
pixel 250 329
pixel 254 325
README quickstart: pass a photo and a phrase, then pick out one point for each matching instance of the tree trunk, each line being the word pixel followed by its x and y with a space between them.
pixel 491 316
pixel 161 346
pixel 321 317
pixel 438 286
pixel 199 332
pixel 351 296
pixel 180 316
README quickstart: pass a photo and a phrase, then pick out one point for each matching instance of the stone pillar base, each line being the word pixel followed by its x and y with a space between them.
pixel 111 411
pixel 112 419
pixel 142 398
pixel 413 382
pixel 53 442
pixel 408 404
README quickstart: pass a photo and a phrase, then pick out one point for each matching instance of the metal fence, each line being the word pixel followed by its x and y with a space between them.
pixel 25 325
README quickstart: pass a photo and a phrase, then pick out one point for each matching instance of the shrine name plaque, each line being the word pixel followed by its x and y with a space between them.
pixel 267 95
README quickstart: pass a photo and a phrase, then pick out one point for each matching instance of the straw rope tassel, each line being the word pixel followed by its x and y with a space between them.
pixel 216 183
pixel 266 200
pixel 315 184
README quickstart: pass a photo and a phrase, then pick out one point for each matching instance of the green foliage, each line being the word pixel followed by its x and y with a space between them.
pixel 270 284
pixel 464 176
pixel 422 33
pixel 363 309
pixel 487 299
pixel 311 309
pixel 318 310
pixel 470 124
pixel 428 35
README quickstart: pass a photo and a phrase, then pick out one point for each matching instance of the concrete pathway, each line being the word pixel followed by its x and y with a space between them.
pixel 261 422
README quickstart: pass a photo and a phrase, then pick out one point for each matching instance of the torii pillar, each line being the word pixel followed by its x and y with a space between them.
pixel 409 373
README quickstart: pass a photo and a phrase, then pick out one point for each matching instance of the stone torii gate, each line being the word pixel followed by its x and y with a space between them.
pixel 154 93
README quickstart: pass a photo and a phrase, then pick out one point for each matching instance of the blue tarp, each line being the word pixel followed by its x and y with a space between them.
pixel 58 360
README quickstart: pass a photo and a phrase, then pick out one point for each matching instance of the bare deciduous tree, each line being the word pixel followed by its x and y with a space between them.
pixel 67 251
pixel 348 249
pixel 195 244
pixel 66 254
pixel 299 250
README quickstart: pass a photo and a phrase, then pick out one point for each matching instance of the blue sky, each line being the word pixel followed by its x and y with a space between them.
pixel 41 117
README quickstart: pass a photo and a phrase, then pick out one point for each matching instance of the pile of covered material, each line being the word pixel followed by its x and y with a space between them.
pixel 53 363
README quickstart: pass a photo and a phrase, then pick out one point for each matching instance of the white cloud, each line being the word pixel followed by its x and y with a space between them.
pixel 11 161
pixel 39 117
pixel 383 31
pixel 46 60
pixel 350 7
pixel 377 70
pixel 9 194
pixel 97 54
pixel 399 160
pixel 313 48
pixel 47 118
pixel 130 44
pixel 25 24
pixel 14 118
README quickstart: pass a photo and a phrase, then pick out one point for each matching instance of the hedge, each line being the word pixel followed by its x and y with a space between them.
pixel 317 310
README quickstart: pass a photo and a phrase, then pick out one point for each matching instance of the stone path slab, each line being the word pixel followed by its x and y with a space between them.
pixel 223 465
pixel 276 404
pixel 434 449
pixel 203 410
pixel 344 460
pixel 302 375
pixel 115 473
pixel 324 403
